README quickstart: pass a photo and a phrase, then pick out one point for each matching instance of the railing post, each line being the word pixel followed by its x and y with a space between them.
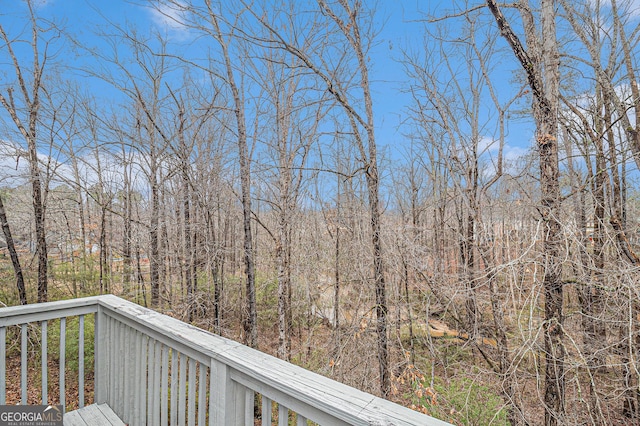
pixel 226 405
pixel 63 357
pixel 100 351
pixel 23 364
pixel 44 364
pixel 3 365
pixel 81 361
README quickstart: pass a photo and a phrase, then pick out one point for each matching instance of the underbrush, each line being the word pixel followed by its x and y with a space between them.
pixel 458 396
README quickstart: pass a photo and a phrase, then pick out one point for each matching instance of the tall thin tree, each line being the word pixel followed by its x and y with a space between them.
pixel 27 103
pixel 540 61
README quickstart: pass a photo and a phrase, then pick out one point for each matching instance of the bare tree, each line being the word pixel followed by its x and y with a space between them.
pixel 143 83
pixel 27 101
pixel 289 144
pixel 209 19
pixel 602 120
pixel 464 150
pixel 250 320
pixel 540 61
pixel 352 23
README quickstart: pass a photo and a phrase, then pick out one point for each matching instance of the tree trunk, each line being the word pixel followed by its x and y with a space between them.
pixel 15 261
pixel 378 266
pixel 597 332
pixel 215 267
pixel 154 242
pixel 250 314
pixel 188 261
pixel 284 298
pixel 542 75
pixel 28 129
pixel 469 271
pixel 373 185
pixel 102 244
pixel 127 234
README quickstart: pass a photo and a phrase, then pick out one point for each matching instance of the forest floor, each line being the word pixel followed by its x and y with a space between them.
pixel 34 378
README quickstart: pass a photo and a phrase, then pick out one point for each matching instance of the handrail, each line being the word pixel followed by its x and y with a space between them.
pixel 42 313
pixel 36 312
pixel 154 369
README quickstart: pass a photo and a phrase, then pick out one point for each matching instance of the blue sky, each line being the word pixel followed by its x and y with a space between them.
pixel 402 28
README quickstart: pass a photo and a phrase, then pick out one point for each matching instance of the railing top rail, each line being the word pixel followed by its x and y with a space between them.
pixel 14 315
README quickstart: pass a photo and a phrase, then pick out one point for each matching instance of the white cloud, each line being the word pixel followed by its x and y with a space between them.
pixel 14 169
pixel 170 15
pixel 512 157
pixel 488 144
pixel 513 154
pixel 13 164
pixel 628 7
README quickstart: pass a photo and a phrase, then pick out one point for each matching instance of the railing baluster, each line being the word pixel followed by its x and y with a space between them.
pixel 216 402
pixel 143 378
pixel 301 420
pixel 173 409
pixel 139 385
pixel 110 349
pixel 238 396
pixel 156 382
pixel 202 394
pixel 182 392
pixel 164 397
pixel 120 359
pixel 131 371
pixel 3 365
pixel 133 377
pixel 191 414
pixel 100 351
pixel 128 344
pixel 283 415
pixel 266 411
pixel 132 383
pixel 115 371
pixel 249 401
pixel 150 377
pixel 81 361
pixel 63 357
pixel 112 359
pixel 23 364
pixel 43 364
pixel 116 404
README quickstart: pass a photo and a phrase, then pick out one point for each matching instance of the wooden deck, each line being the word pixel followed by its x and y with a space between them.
pixel 151 369
pixel 93 415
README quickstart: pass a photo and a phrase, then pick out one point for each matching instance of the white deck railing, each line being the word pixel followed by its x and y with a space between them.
pixel 155 370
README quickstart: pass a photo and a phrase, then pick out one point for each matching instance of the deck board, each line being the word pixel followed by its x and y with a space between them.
pixel 93 415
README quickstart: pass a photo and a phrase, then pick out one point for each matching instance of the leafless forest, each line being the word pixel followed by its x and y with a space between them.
pixel 228 167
